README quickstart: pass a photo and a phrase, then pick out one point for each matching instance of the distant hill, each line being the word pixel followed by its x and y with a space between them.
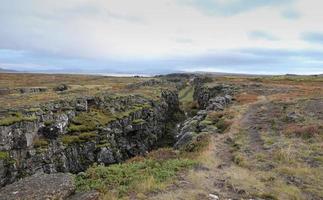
pixel 7 70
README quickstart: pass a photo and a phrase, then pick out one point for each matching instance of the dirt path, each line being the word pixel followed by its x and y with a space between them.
pixel 209 178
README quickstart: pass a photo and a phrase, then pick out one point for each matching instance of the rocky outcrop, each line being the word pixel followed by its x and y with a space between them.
pixel 203 93
pixel 24 90
pixel 46 187
pixel 69 136
pixel 210 99
pixel 173 82
pixel 40 187
pixel 61 87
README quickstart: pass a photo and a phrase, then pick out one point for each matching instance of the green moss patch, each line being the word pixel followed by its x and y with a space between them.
pixel 15 118
pixel 71 139
pixel 138 121
pixel 40 143
pixel 81 138
pixel 89 121
pixel 4 155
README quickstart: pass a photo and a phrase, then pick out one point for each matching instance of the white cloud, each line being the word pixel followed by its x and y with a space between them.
pixel 149 29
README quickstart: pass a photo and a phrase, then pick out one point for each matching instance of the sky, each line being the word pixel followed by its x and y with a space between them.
pixel 162 36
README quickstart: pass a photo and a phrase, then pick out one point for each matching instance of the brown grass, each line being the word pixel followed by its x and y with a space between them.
pixel 245 98
pixel 304 131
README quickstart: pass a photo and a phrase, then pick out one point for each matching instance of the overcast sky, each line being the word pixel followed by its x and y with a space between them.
pixel 158 36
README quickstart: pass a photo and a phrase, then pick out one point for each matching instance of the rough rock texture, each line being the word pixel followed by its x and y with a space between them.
pixel 40 187
pixel 203 94
pixel 176 82
pixel 61 87
pixel 24 90
pixel 43 140
pixel 216 98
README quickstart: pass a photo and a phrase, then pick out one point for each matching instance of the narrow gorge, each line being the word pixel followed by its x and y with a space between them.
pixel 68 136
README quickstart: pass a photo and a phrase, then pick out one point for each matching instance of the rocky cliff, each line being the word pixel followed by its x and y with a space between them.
pixel 69 136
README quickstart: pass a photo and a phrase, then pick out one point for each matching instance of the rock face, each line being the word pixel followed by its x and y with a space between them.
pixel 203 94
pixel 40 187
pixel 69 136
pixel 215 98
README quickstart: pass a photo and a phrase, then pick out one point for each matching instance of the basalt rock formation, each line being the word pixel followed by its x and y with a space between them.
pixel 215 98
pixel 71 135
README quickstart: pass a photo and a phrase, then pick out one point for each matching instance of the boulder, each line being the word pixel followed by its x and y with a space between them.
pixel 61 87
pixel 40 187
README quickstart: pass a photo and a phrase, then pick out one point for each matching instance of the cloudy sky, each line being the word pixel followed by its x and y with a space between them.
pixel 160 36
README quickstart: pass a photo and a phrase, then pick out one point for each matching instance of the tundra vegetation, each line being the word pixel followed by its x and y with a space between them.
pixel 265 143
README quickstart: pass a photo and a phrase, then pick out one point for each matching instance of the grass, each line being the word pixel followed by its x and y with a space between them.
pixel 138 176
pixel 138 121
pixel 222 120
pixel 41 143
pixel 76 139
pixel 186 100
pixel 186 94
pixel 89 121
pixel 4 155
pixel 80 85
pixel 198 144
pixel 287 163
pixel 15 118
pixel 141 175
pixel 71 139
